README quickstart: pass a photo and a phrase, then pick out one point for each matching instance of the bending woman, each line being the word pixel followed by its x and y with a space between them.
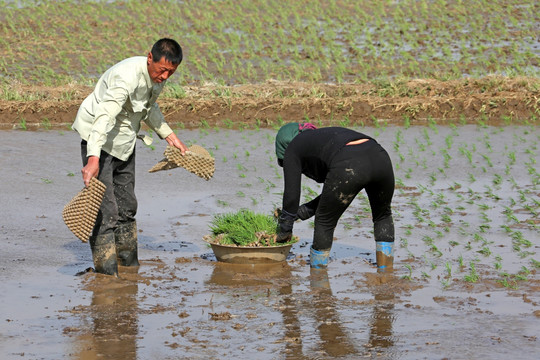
pixel 346 162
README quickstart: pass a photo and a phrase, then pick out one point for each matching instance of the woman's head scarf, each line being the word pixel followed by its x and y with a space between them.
pixel 286 133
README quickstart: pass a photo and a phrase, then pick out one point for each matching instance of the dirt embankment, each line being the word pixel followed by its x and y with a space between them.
pixel 488 99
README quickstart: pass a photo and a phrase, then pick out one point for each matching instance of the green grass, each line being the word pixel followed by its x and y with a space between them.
pixel 245 41
pixel 242 227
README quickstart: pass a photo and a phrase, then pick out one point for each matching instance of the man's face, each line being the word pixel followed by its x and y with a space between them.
pixel 161 70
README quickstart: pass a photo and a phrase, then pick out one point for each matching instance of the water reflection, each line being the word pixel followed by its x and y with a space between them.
pixel 113 328
pixel 335 341
pixel 319 304
pixel 275 275
pixel 380 328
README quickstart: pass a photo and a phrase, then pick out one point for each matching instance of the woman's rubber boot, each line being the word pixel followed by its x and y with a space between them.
pixel 384 254
pixel 318 259
pixel 104 254
pixel 125 236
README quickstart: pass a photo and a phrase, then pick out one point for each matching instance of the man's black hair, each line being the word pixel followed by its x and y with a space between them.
pixel 168 48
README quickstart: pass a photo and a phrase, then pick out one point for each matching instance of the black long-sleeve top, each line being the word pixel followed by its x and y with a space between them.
pixel 311 153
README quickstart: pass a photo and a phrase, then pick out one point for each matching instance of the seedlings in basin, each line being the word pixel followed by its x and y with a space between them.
pixel 244 228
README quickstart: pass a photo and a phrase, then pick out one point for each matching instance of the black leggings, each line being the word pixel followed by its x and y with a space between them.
pixel 356 167
pixel 119 204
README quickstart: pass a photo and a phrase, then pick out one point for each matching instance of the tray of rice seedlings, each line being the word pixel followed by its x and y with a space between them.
pixel 246 237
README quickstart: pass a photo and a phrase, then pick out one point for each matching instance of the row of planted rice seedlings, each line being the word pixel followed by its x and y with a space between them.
pixel 476 213
pixel 243 41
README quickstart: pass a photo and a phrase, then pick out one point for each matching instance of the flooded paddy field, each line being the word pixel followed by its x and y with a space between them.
pixel 465 283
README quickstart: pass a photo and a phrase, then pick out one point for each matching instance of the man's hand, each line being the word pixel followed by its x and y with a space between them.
pixel 173 140
pixel 90 170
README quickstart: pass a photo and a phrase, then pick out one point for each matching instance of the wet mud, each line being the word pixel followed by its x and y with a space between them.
pixel 464 284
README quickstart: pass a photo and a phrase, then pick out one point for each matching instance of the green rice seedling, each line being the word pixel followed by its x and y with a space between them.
pixel 241 228
pixel 309 193
pixel 531 210
pixel 488 160
pixel 497 179
pixel 461 262
pixel 22 124
pixel 507 282
pixel 228 123
pixel 483 228
pixel 473 275
pixel 445 283
pixel 484 217
pixel 524 254
pixel 517 238
pixel 467 153
pixel 449 140
pixel 406 122
pixel 446 218
pixel 404 243
pixel 484 206
pixel 498 262
pixel 46 123
pixel 448 268
pixel 512 157
pixel 478 238
pixel 428 240
pixel 241 167
pixel 435 250
pixel 222 203
pixel 409 275
pixel 408 173
pixel 485 251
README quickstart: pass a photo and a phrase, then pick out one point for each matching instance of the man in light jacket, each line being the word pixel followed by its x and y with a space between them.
pixel 108 122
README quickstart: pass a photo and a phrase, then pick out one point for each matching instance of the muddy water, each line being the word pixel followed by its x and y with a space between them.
pixel 465 283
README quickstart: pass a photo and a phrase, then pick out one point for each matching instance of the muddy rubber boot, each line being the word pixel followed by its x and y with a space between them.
pixel 384 254
pixel 104 254
pixel 318 259
pixel 125 236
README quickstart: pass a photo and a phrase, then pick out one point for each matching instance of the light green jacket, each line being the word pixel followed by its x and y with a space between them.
pixel 109 119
